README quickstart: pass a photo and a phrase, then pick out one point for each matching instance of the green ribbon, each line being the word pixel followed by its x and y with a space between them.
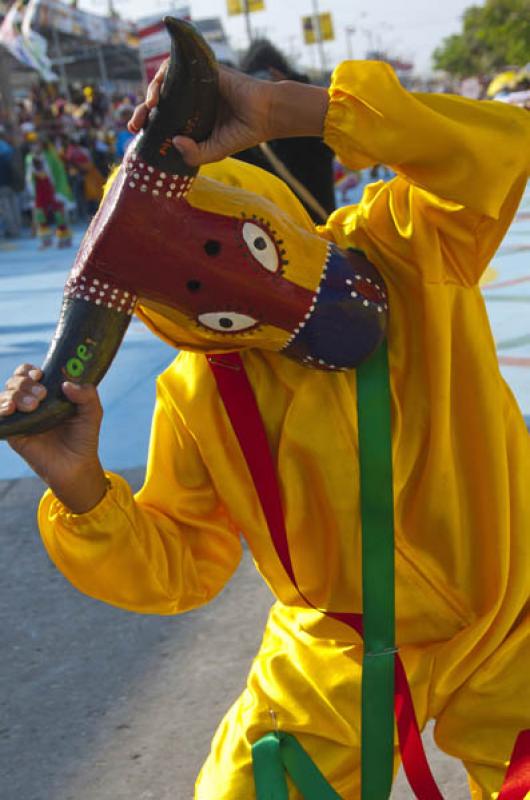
pixel 377 515
pixel 278 753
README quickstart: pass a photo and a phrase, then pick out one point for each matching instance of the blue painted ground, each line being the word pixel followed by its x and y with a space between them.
pixel 31 284
pixel 31 287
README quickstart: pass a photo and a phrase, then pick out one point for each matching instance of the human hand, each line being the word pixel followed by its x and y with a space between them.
pixel 250 111
pixel 243 120
pixel 66 457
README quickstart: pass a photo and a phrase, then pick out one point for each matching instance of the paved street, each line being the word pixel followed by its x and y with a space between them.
pixel 100 704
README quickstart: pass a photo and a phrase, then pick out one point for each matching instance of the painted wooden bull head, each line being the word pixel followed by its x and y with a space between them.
pixel 223 267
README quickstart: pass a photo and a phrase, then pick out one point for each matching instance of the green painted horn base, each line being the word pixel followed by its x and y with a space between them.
pixel 43 419
pixel 84 345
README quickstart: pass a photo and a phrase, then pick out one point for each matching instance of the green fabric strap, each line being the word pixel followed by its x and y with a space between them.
pixel 278 753
pixel 269 772
pixel 377 514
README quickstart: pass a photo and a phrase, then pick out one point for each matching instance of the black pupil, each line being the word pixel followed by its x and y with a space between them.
pixel 224 322
pixel 193 286
pixel 212 247
pixel 260 243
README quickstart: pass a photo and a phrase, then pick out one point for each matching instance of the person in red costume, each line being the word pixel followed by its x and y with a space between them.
pixel 49 211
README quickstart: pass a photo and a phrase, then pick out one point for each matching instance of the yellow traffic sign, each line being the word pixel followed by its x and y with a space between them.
pixel 309 26
pixel 243 6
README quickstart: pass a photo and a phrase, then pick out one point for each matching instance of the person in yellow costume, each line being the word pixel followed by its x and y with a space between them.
pixel 460 449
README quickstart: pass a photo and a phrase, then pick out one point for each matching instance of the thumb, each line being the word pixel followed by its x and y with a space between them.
pixel 86 398
pixel 195 153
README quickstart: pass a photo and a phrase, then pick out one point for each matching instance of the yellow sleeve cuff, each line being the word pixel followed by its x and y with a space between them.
pixel 51 509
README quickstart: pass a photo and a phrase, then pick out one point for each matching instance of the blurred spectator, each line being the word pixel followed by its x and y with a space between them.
pixel 59 176
pixel 78 162
pixel 9 206
pixel 123 136
pixel 49 210
pixel 48 189
pixel 101 154
pixel 308 159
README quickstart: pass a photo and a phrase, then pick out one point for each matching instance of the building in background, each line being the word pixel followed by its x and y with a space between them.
pixel 154 40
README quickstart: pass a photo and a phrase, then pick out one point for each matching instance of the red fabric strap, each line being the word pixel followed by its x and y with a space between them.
pixel 517 781
pixel 241 407
pixel 240 404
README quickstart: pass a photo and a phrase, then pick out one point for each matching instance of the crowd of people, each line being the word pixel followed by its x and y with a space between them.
pixel 54 161
pixel 55 155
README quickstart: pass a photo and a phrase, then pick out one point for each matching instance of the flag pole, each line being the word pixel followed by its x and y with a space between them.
pixel 59 60
pixel 246 11
pixel 318 33
pixel 6 94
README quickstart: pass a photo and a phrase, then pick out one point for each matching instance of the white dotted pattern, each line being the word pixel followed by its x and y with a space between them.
pixel 159 184
pixel 101 293
pixel 312 306
pixel 146 179
pixel 309 360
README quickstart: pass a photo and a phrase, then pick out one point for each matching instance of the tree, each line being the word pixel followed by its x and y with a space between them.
pixel 493 36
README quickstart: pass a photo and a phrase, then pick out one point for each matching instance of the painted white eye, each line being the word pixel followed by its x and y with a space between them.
pixel 227 321
pixel 261 246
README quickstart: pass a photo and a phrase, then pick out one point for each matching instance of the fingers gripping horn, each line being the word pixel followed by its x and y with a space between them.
pixel 99 300
pixel 82 349
pixel 188 100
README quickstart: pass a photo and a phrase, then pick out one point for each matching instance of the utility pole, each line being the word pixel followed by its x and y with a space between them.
pixel 293 54
pixel 102 66
pixel 349 30
pixel 59 61
pixel 318 33
pixel 246 11
pixel 6 95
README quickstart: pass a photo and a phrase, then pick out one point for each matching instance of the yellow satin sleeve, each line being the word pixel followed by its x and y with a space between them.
pixel 168 549
pixel 461 165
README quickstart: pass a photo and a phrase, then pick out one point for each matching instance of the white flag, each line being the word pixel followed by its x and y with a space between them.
pixel 25 44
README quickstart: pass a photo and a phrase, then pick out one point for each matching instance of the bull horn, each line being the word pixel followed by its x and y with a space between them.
pixel 90 331
pixel 188 100
pixel 85 342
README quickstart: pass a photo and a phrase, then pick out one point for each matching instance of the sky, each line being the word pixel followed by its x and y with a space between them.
pixel 410 29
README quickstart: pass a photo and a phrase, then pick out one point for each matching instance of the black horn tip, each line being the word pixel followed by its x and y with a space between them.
pixel 186 35
pixel 177 26
pixel 188 100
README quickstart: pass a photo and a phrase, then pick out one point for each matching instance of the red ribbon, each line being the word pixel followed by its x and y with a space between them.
pixel 241 407
pixel 517 781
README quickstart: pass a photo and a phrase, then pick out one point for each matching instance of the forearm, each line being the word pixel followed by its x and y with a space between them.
pixel 298 109
pixel 82 492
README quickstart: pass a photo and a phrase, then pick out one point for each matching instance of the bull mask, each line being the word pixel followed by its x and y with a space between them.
pixel 210 266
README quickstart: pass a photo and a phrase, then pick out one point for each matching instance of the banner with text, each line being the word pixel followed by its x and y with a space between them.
pixel 312 26
pixel 234 7
pixel 17 34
